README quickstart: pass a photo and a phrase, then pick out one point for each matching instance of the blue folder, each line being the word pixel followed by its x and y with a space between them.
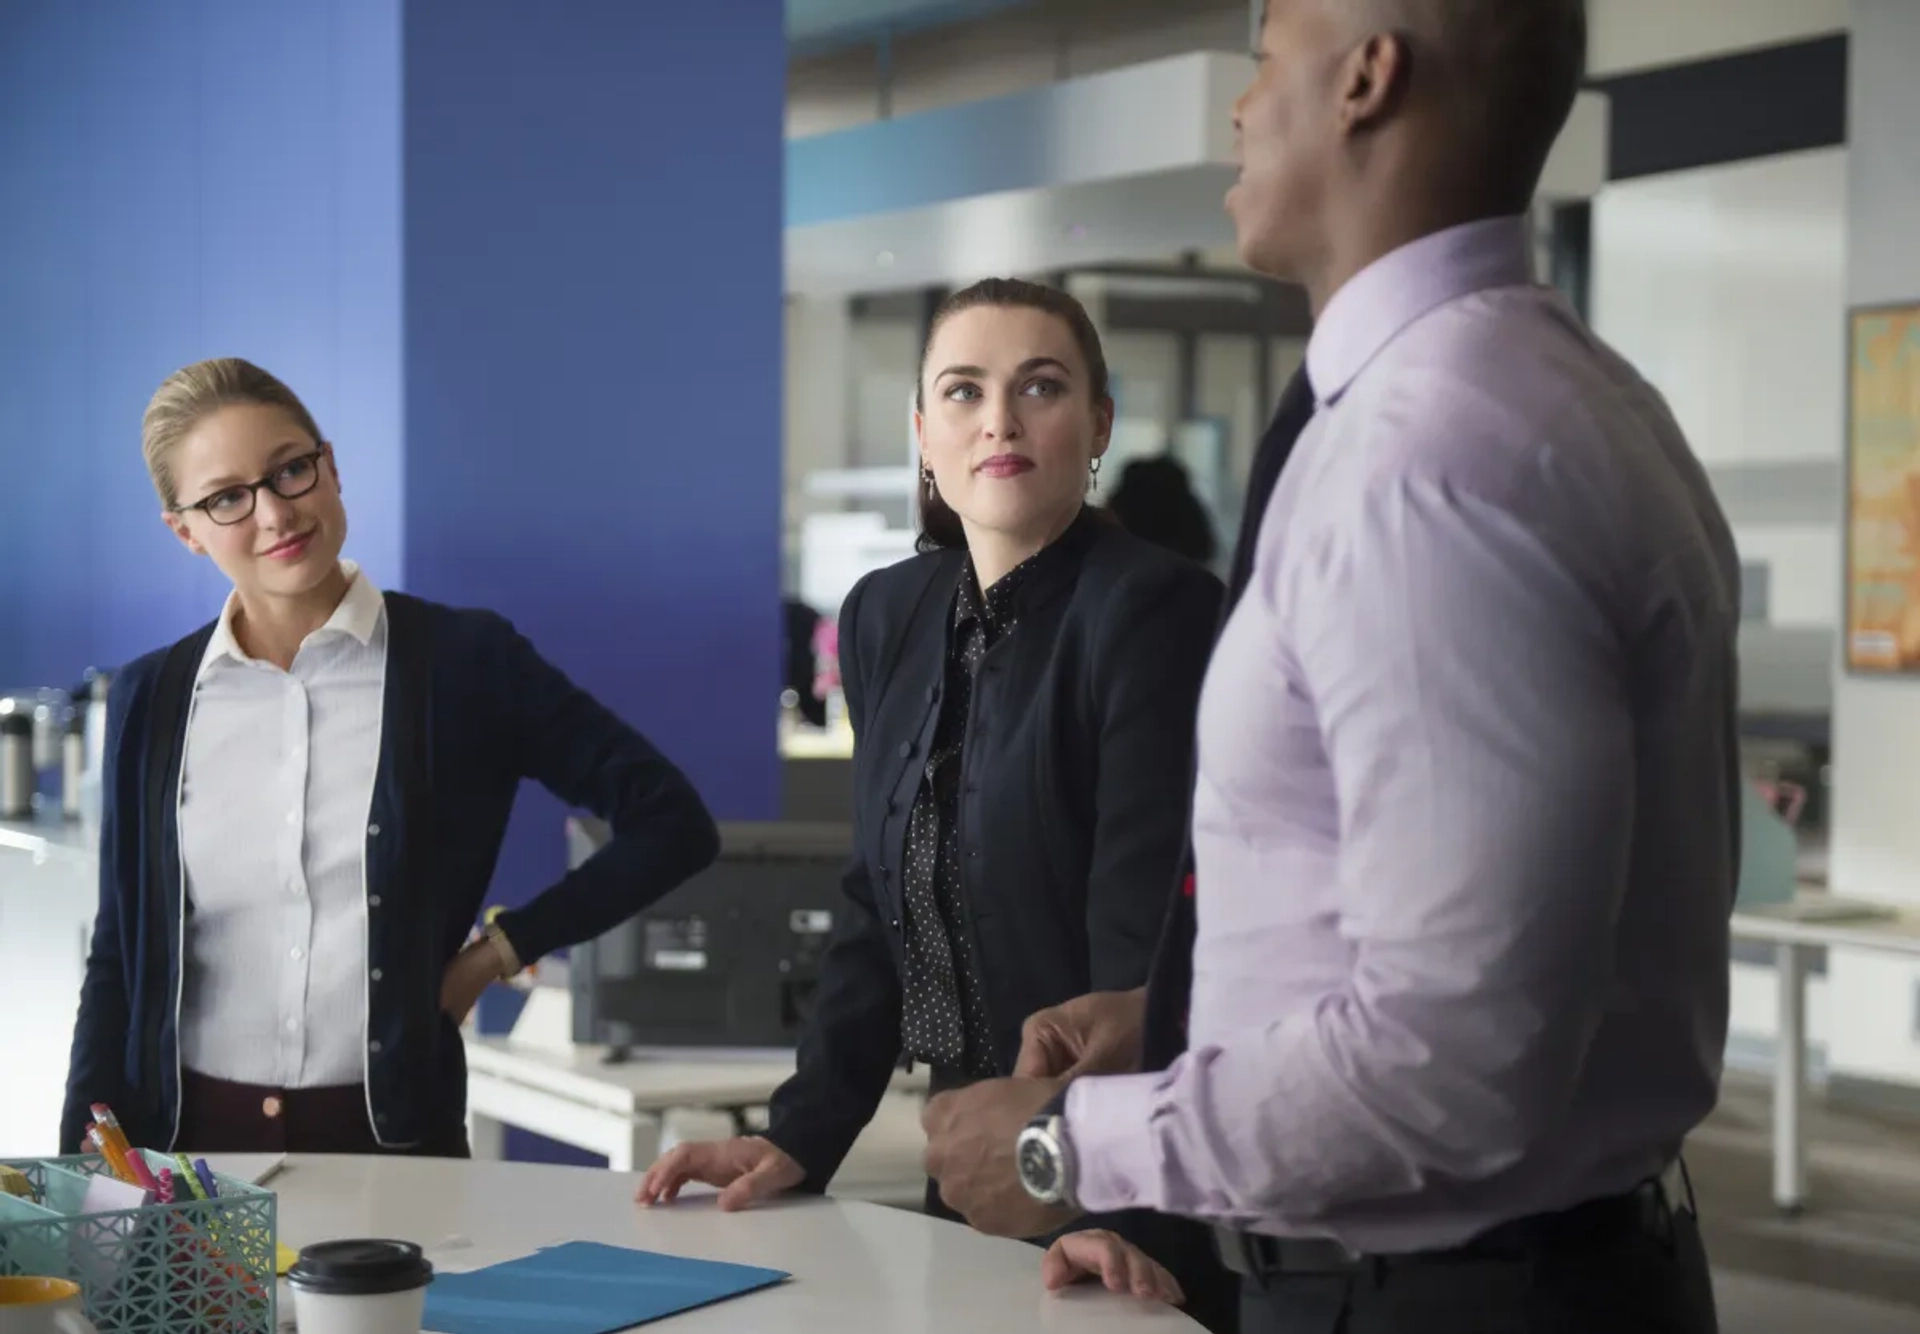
pixel 583 1288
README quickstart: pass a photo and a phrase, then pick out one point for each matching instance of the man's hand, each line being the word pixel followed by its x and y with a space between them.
pixel 1099 1034
pixel 1115 1261
pixel 970 1153
pixel 749 1168
pixel 472 971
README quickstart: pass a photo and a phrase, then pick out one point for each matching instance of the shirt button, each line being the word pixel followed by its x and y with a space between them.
pixel 375 975
pixel 906 750
pixel 298 954
pixel 374 1046
pixel 373 900
pixel 293 1025
pixel 896 924
pixel 373 831
pixel 271 1108
pixel 293 817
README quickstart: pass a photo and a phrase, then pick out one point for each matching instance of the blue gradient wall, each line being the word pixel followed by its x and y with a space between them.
pixel 593 295
pixel 181 181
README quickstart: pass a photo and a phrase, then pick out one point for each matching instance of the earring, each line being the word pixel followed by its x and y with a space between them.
pixel 926 477
pixel 1093 472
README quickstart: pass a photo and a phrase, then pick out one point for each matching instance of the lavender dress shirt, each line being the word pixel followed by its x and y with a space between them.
pixel 1465 828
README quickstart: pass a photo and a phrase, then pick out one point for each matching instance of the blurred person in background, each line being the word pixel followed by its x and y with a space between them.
pixel 1155 501
pixel 1022 695
pixel 303 804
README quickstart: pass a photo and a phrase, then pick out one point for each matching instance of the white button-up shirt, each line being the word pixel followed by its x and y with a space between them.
pixel 275 795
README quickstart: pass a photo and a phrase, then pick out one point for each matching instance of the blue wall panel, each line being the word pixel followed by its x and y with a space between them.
pixel 181 181
pixel 593 332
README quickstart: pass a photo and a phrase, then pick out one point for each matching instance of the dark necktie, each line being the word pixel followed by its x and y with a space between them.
pixel 1170 980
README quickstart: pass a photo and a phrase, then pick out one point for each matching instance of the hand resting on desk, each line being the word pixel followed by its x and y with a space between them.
pixel 748 1170
pixel 1115 1261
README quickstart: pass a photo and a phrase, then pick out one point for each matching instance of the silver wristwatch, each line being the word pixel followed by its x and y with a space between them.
pixel 1045 1159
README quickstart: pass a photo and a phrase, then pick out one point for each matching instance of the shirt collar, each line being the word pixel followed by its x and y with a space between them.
pixel 1380 301
pixel 358 615
pixel 994 607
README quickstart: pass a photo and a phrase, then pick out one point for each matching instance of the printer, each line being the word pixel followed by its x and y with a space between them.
pixel 731 958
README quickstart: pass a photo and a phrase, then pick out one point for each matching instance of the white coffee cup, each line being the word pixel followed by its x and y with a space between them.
pixel 360 1287
pixel 42 1306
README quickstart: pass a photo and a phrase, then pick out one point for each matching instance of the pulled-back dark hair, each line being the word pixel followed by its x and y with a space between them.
pixel 940 528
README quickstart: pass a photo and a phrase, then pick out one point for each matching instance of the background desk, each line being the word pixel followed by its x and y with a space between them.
pixel 854 1266
pixel 1793 938
pixel 573 1096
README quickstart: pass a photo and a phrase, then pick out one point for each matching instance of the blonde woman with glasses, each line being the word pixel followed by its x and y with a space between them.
pixel 303 805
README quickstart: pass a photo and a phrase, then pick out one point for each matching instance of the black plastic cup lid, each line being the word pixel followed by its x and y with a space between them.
pixel 361 1268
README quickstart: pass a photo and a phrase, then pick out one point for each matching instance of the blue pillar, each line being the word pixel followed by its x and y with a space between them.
pixel 593 297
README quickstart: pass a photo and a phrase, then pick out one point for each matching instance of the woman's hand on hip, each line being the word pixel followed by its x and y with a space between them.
pixel 1115 1261
pixel 472 971
pixel 748 1170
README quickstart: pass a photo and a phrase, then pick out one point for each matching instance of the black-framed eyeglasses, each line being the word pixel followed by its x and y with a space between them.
pixel 234 504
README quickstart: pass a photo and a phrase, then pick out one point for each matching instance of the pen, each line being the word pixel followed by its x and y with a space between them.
pixel 205 1173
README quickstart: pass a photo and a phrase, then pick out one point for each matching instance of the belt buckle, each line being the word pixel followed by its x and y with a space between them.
pixel 1242 1253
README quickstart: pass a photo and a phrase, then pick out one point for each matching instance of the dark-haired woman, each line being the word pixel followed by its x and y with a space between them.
pixel 1023 696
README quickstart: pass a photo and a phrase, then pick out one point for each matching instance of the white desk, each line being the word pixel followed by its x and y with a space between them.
pixel 1792 938
pixel 854 1266
pixel 573 1097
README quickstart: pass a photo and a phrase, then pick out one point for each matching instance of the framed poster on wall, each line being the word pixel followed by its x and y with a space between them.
pixel 1883 490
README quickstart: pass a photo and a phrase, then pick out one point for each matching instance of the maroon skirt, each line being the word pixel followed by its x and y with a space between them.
pixel 218 1116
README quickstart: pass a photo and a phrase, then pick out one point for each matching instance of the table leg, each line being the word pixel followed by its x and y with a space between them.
pixel 1790 1079
pixel 486 1137
pixel 641 1147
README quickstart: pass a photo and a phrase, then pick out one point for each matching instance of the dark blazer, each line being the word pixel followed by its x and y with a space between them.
pixel 470 709
pixel 1074 799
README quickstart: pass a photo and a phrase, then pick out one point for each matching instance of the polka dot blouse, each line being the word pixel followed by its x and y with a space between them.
pixel 945 1021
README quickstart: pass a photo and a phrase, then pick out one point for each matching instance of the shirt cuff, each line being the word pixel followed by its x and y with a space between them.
pixel 1109 1126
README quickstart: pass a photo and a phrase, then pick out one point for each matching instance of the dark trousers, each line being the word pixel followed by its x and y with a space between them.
pixel 1637 1281
pixel 218 1116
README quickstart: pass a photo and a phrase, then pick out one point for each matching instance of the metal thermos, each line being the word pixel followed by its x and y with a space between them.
pixel 16 766
pixel 73 764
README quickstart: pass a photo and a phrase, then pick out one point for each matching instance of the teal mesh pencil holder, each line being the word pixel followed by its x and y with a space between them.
pixel 196 1265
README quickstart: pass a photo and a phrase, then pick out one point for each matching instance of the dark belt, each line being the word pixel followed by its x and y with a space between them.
pixel 1648 1208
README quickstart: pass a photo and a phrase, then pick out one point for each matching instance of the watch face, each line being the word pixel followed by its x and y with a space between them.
pixel 1039 1168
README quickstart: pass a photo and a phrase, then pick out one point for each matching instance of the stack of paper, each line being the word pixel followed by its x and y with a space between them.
pixel 583 1288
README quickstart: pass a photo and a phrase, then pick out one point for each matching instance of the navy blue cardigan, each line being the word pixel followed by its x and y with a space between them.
pixel 470 709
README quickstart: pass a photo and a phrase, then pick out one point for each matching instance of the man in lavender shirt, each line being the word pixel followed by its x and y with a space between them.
pixel 1465 824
